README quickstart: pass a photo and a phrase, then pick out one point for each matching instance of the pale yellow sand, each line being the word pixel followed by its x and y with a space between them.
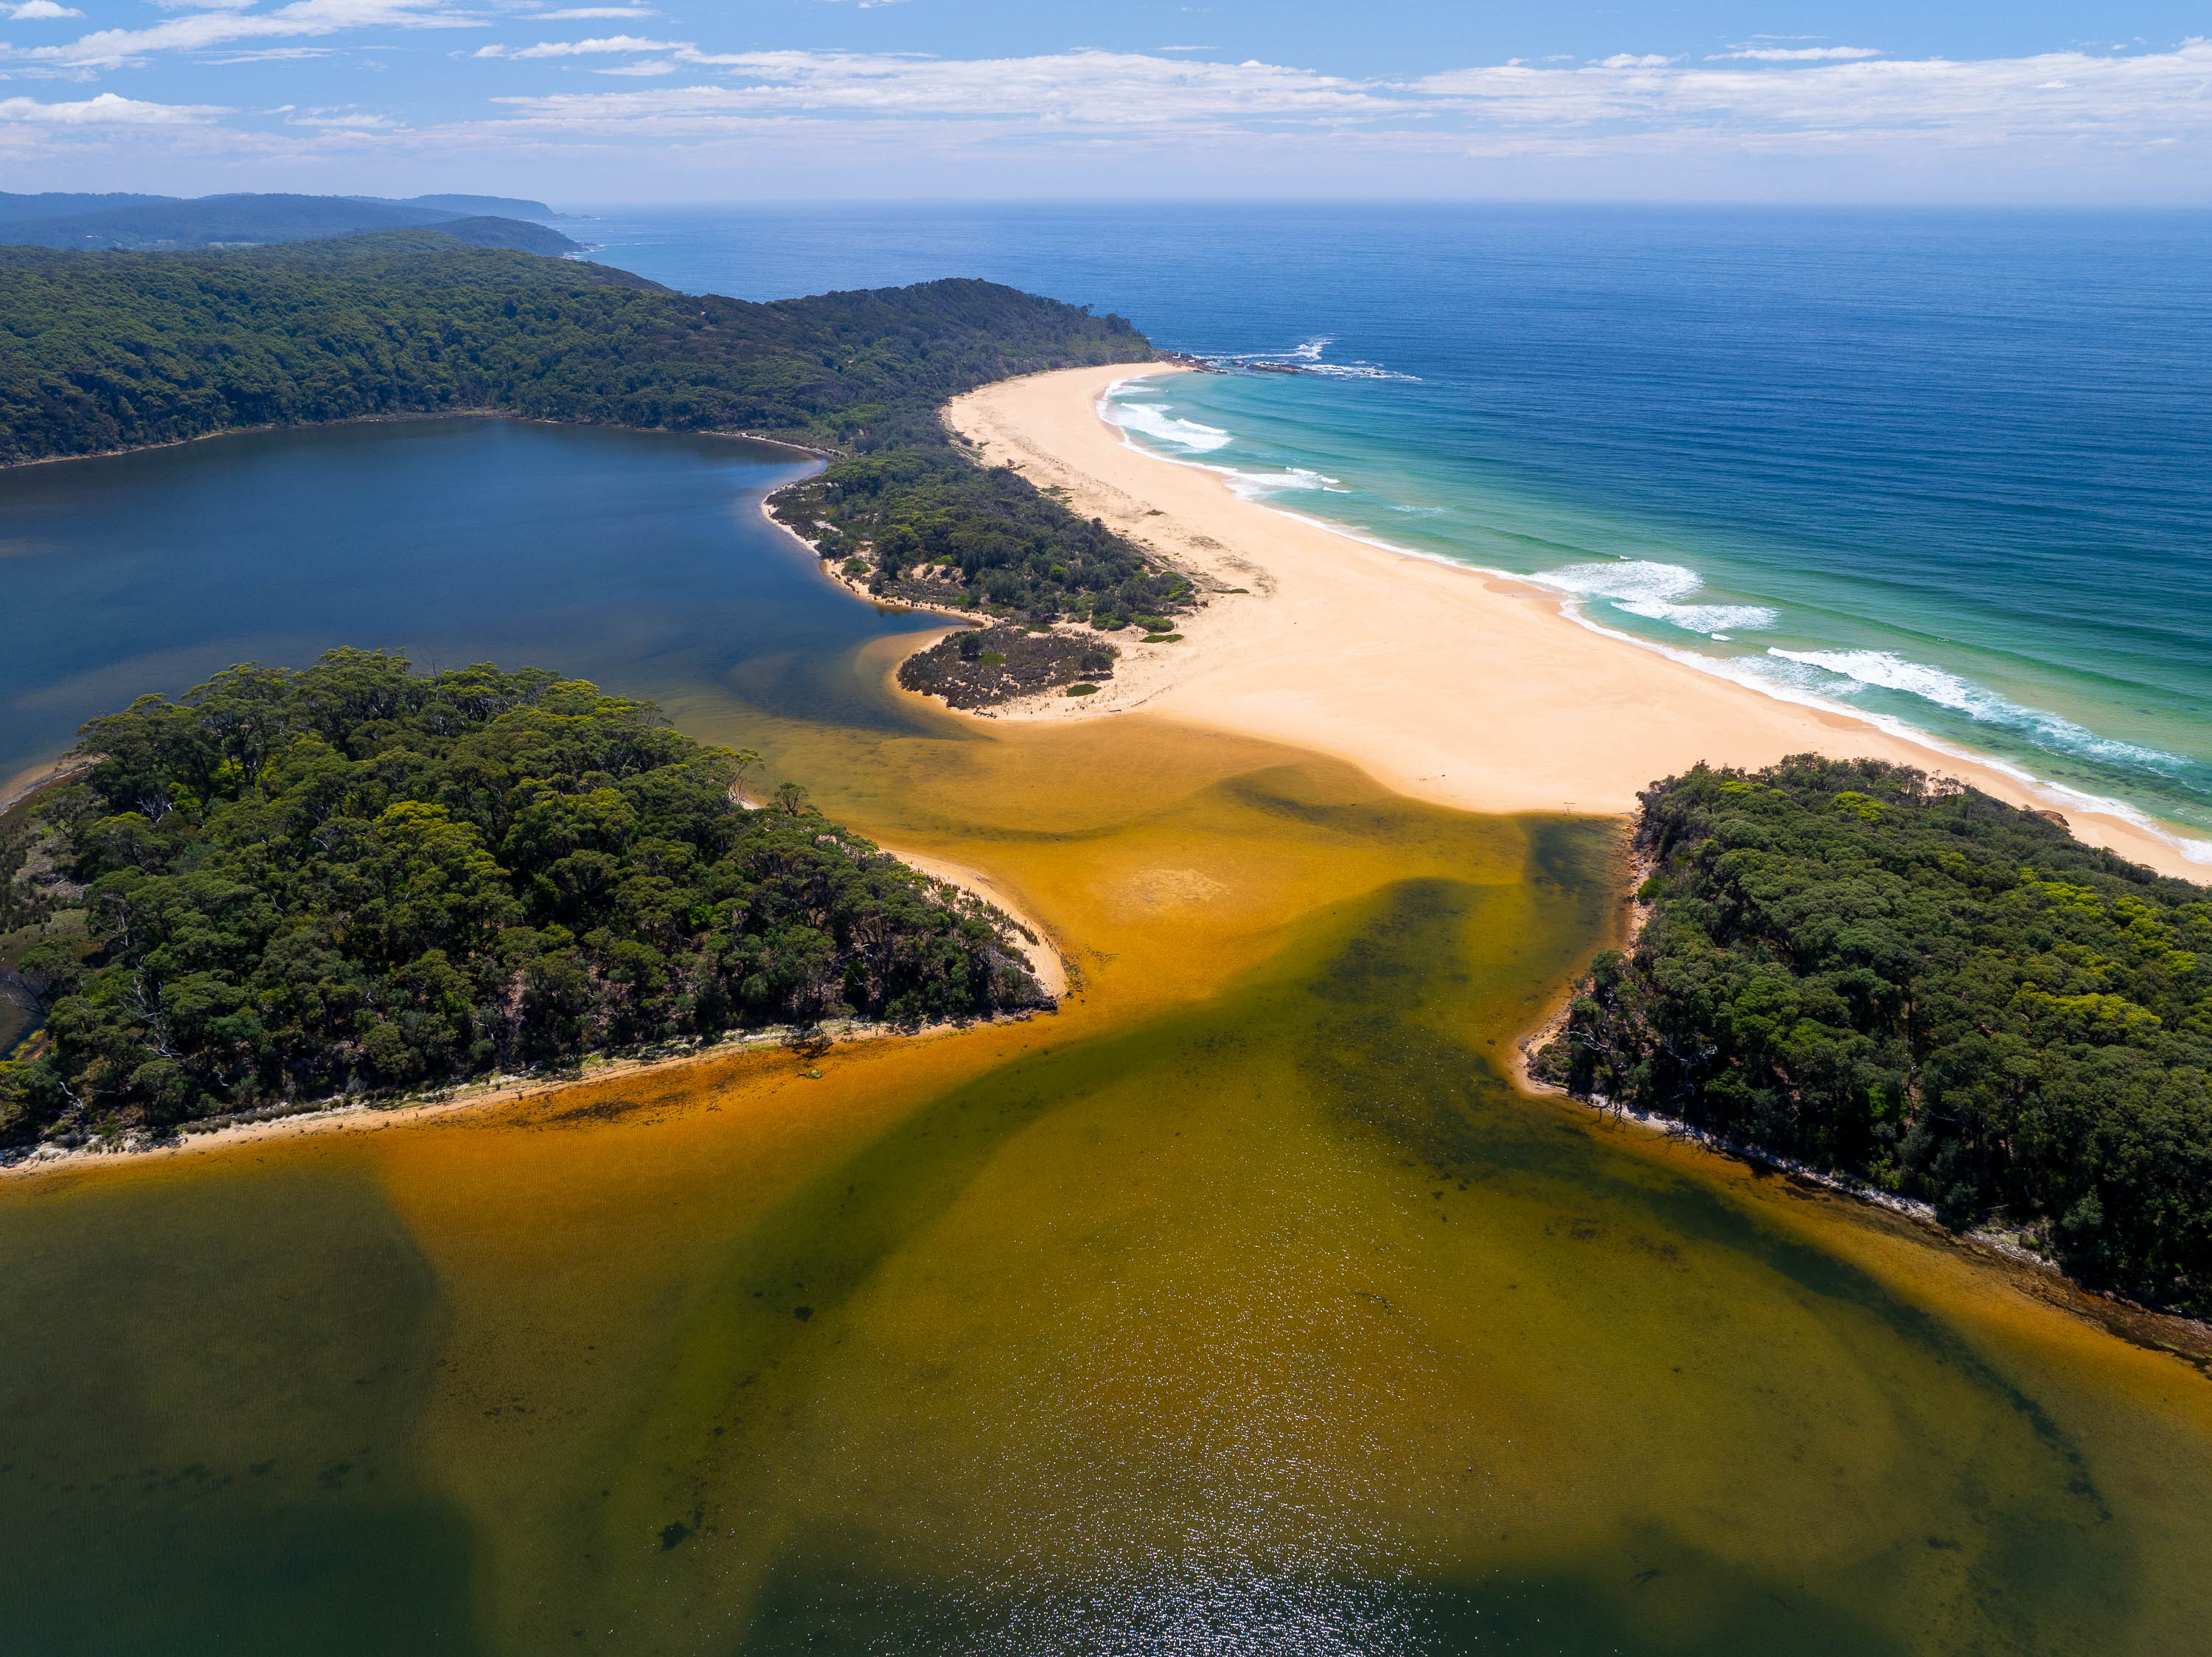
pixel 1442 683
pixel 1044 957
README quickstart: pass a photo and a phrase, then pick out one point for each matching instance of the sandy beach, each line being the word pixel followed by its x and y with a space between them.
pixel 1443 683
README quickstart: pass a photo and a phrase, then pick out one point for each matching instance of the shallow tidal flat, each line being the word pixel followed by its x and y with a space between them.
pixel 1244 1306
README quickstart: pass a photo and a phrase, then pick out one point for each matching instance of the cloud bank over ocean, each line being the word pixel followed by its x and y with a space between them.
pixel 515 91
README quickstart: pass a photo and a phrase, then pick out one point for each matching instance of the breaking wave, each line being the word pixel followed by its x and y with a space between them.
pixel 1155 421
pixel 1252 485
pixel 1853 673
pixel 1639 587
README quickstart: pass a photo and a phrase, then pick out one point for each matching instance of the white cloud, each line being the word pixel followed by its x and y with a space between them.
pixel 1638 125
pixel 575 13
pixel 1091 88
pixel 2137 96
pixel 32 10
pixel 590 48
pixel 347 120
pixel 106 110
pixel 204 29
pixel 1992 100
pixel 1793 54
pixel 273 55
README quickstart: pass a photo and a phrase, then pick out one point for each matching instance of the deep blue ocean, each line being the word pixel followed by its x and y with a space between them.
pixel 1952 470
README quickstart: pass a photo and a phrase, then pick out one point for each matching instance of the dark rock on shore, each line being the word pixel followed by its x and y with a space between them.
pixel 987 665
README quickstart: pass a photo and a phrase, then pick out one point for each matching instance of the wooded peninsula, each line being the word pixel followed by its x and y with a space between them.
pixel 1903 980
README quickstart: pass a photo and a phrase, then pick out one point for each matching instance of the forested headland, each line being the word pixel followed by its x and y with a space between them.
pixel 115 350
pixel 1910 983
pixel 286 886
pixel 110 350
pixel 236 219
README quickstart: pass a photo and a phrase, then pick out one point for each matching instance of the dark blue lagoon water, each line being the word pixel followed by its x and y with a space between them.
pixel 1952 470
pixel 640 560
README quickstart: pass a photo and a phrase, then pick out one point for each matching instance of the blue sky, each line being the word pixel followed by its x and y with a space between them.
pixel 2037 101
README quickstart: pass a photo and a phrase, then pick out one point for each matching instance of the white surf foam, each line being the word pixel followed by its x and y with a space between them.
pixel 1255 485
pixel 1860 670
pixel 1642 587
pixel 1358 371
pixel 1154 421
pixel 1307 358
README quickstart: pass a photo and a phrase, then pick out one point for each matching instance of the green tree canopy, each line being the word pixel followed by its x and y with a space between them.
pixel 1848 964
pixel 287 885
pixel 119 350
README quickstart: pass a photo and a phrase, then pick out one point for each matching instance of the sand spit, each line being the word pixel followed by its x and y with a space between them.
pixel 1443 683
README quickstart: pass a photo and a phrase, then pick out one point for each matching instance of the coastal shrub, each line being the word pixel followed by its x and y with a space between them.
pixel 976 668
pixel 1003 545
pixel 1082 690
pixel 1906 980
pixel 353 877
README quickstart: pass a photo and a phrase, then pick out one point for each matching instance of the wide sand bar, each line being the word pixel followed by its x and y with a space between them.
pixel 1445 683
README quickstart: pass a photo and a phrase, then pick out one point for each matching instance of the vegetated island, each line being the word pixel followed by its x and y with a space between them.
pixel 118 350
pixel 1912 984
pixel 354 880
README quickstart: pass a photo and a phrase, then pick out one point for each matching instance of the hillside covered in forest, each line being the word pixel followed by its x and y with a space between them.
pixel 286 886
pixel 1908 982
pixel 118 350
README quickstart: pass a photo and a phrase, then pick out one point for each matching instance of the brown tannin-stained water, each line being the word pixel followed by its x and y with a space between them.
pixel 1243 1306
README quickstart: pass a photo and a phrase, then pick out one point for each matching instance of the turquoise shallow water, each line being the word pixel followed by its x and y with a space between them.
pixel 1952 470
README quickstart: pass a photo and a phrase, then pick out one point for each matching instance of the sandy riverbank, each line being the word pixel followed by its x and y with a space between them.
pixel 1047 964
pixel 1443 683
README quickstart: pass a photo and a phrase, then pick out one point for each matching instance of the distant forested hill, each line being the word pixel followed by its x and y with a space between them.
pixel 56 203
pixel 150 222
pixel 509 207
pixel 115 350
pixel 1914 982
pixel 60 203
